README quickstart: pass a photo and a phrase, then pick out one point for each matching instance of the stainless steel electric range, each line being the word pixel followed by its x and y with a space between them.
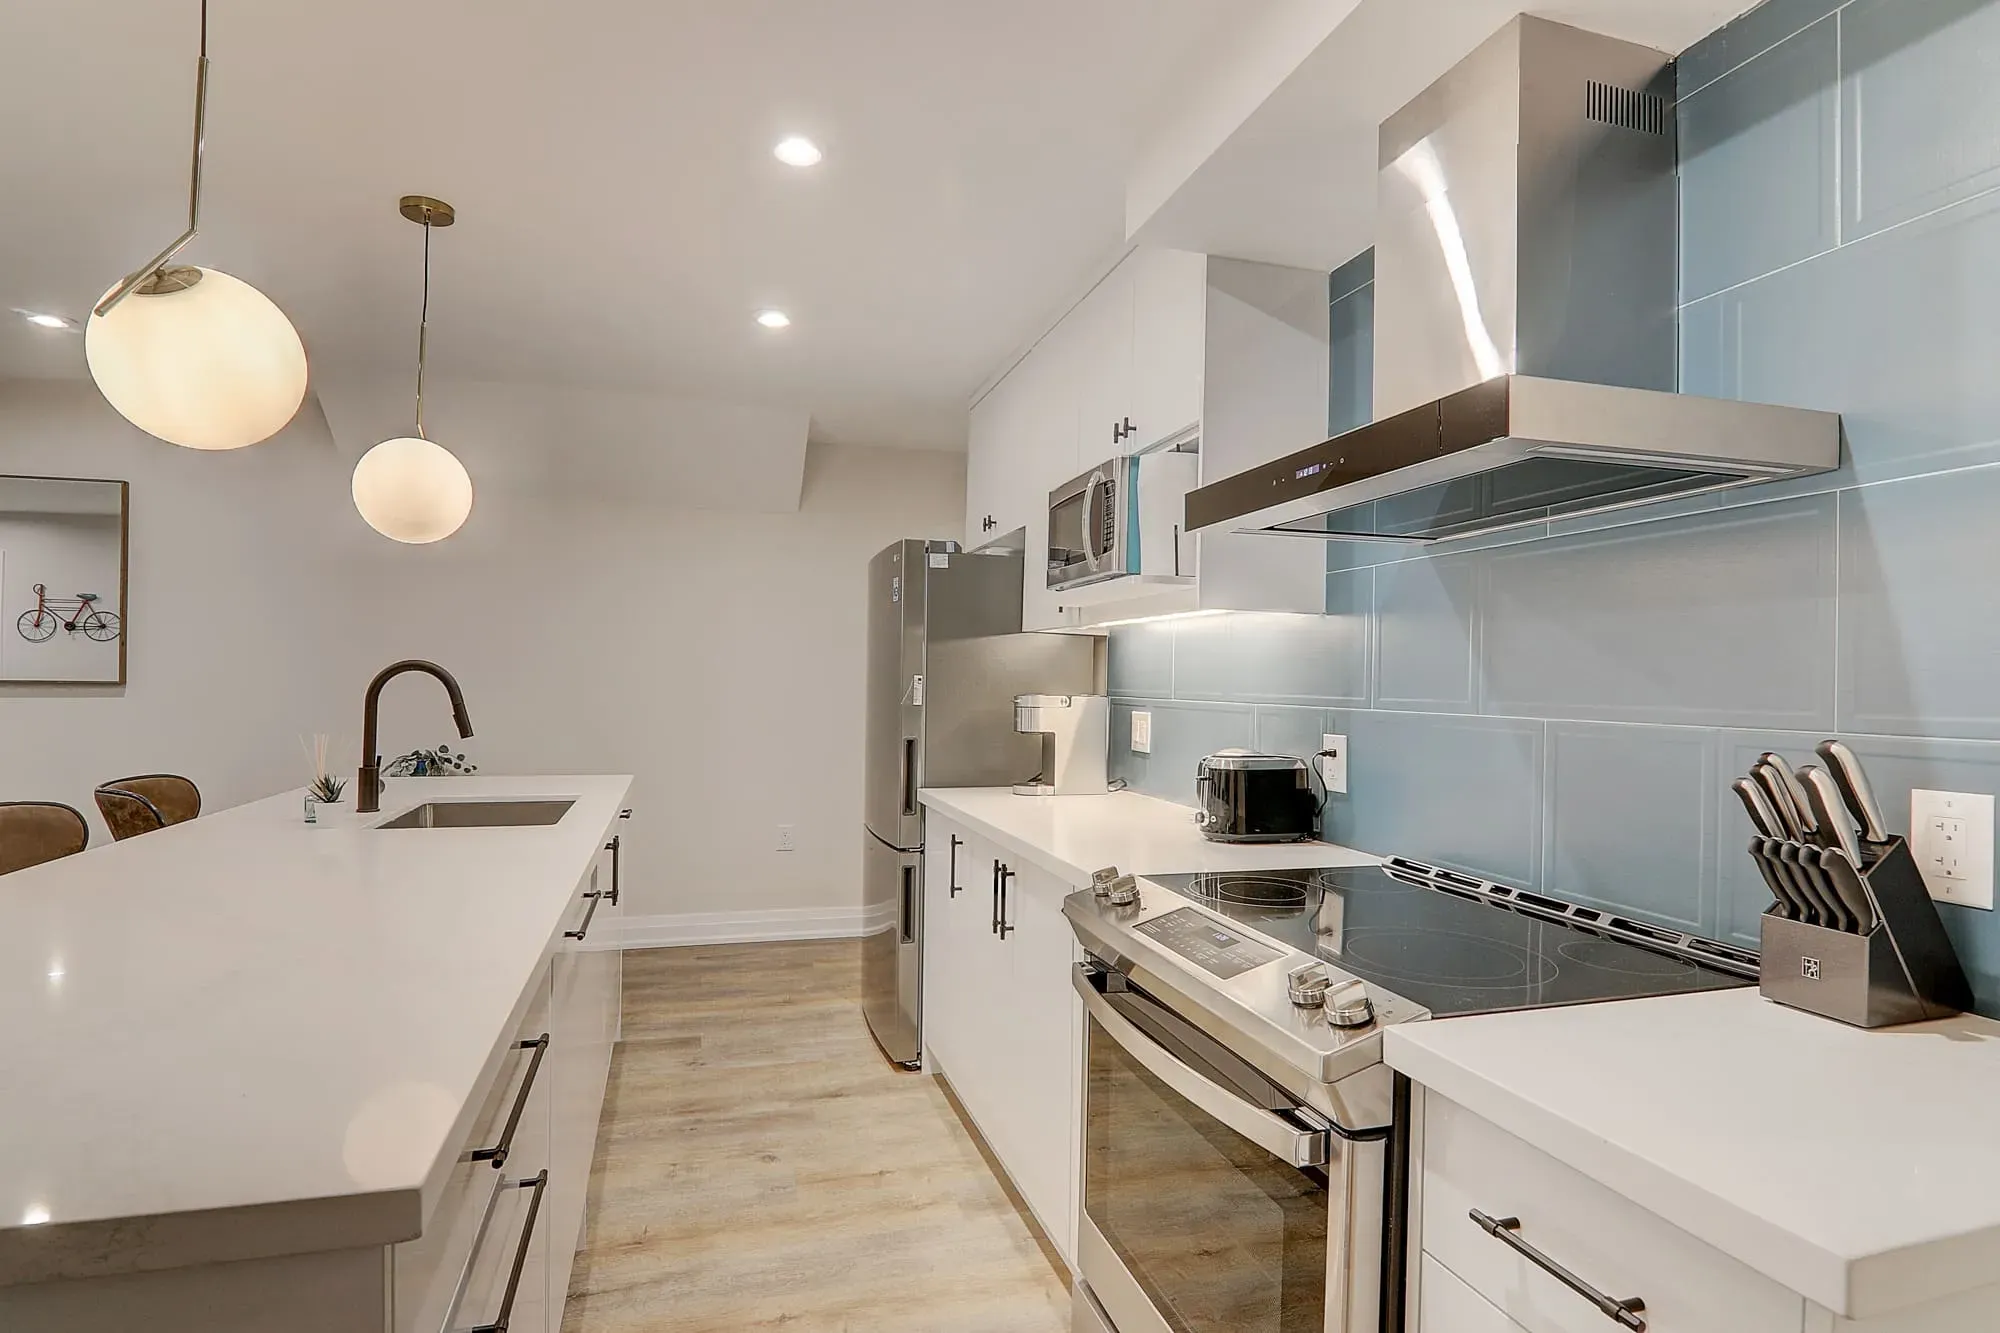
pixel 1245 1148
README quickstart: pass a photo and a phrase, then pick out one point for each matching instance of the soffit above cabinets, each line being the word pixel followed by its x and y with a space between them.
pixel 1271 153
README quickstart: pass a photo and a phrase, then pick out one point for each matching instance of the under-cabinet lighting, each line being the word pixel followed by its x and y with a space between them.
pixel 1154 620
pixel 774 319
pixel 37 1214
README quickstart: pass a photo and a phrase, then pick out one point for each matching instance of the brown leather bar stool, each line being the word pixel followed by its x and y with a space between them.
pixel 150 801
pixel 32 832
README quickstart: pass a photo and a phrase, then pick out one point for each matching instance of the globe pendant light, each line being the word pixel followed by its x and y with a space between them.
pixel 192 355
pixel 408 488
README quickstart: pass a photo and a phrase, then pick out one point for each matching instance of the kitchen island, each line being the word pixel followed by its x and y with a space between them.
pixel 253 1065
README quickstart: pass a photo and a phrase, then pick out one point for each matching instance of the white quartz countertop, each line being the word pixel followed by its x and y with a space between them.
pixel 243 1035
pixel 1070 836
pixel 1858 1168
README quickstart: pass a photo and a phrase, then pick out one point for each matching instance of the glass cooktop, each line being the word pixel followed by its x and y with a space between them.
pixel 1456 945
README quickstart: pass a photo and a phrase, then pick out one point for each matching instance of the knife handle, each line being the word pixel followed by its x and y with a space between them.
pixel 1762 817
pixel 1788 780
pixel 1853 889
pixel 1787 905
pixel 1821 906
pixel 1780 796
pixel 1830 810
pixel 1845 765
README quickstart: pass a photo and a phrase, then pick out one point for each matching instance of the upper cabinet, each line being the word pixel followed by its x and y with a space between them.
pixel 1169 350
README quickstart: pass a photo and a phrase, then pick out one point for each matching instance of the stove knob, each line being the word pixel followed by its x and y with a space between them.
pixel 1349 1006
pixel 1306 986
pixel 1102 880
pixel 1123 892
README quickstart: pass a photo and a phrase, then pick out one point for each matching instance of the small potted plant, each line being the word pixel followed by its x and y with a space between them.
pixel 325 791
pixel 442 762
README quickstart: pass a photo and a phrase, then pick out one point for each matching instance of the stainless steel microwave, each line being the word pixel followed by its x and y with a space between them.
pixel 1123 519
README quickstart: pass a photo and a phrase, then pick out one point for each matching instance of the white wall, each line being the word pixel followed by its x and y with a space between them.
pixel 716 656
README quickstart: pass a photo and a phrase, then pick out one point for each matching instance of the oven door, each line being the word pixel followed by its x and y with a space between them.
pixel 1209 1194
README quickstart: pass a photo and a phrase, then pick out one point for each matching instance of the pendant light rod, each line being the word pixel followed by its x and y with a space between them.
pixel 160 261
pixel 428 213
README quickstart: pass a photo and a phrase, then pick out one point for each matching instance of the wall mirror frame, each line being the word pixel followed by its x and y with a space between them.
pixel 65 576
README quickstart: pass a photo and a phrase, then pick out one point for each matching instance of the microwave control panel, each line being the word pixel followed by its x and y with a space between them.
pixel 1206 943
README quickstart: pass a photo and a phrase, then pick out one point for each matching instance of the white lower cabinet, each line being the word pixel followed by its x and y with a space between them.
pixel 1449 1306
pixel 1002 1023
pixel 1607 1242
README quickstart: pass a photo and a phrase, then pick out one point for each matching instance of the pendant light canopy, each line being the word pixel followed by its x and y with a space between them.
pixel 192 355
pixel 408 488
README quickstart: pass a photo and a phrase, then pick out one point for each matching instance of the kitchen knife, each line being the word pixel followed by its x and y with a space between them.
pixel 1820 908
pixel 1767 775
pixel 1813 861
pixel 1787 905
pixel 1808 825
pixel 1845 765
pixel 1824 795
pixel 1846 877
pixel 1762 817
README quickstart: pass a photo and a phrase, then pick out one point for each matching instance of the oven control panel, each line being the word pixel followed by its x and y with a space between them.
pixel 1206 943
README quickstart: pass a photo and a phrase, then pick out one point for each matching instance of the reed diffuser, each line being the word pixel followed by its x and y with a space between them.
pixel 326 789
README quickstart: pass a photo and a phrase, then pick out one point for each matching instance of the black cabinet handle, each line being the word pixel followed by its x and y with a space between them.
pixel 994 928
pixel 538 1184
pixel 626 813
pixel 497 1154
pixel 1006 928
pixel 1130 429
pixel 951 874
pixel 588 913
pixel 1629 1313
pixel 612 847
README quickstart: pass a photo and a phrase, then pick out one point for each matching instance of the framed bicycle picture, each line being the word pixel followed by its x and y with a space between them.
pixel 64 563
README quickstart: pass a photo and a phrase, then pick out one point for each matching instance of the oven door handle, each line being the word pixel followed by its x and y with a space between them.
pixel 1275 1135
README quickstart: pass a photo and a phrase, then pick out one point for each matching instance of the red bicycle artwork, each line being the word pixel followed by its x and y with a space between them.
pixel 79 615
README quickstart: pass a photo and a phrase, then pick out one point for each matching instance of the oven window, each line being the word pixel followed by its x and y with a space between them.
pixel 1222 1236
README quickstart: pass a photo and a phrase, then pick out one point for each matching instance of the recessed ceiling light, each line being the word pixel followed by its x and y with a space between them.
pixel 774 319
pixel 798 151
pixel 42 321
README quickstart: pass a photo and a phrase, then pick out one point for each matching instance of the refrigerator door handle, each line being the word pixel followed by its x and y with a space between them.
pixel 909 904
pixel 909 775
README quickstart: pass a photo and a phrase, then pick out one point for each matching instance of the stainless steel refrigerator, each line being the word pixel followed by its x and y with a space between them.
pixel 946 657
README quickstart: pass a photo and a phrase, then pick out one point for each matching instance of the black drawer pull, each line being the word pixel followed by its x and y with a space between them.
pixel 588 913
pixel 1507 1230
pixel 1004 926
pixel 497 1154
pixel 951 874
pixel 612 847
pixel 538 1184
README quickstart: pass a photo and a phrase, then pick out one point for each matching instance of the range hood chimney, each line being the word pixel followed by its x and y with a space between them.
pixel 1525 323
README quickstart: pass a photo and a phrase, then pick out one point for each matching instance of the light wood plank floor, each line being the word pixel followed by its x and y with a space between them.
pixel 761 1166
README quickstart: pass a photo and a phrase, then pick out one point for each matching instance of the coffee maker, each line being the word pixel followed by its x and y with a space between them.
pixel 1076 737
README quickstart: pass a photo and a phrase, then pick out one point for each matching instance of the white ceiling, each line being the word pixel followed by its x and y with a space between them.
pixel 1276 159
pixel 622 217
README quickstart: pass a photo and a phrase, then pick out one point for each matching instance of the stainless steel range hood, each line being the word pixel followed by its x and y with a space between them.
pixel 1525 330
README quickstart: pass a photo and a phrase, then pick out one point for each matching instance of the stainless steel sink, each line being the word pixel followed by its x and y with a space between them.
pixel 480 814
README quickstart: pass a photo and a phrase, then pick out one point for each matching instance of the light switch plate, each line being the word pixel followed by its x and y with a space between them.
pixel 1951 836
pixel 786 840
pixel 1142 732
pixel 1334 770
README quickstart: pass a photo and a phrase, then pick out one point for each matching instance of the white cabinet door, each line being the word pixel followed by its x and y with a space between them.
pixel 1044 1052
pixel 1447 1305
pixel 951 916
pixel 1101 335
pixel 984 443
pixel 1169 313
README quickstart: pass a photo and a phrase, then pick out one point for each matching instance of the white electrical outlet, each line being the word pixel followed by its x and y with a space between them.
pixel 786 843
pixel 1951 836
pixel 1333 767
pixel 1142 732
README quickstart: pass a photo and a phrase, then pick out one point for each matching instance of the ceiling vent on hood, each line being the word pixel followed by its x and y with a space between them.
pixel 1525 328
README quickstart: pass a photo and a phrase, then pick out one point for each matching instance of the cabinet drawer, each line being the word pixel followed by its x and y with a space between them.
pixel 1447 1305
pixel 1607 1242
pixel 434 1269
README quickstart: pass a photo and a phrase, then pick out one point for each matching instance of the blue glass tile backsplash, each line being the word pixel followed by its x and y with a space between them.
pixel 1565 710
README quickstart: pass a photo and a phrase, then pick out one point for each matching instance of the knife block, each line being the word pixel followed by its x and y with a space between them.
pixel 1903 971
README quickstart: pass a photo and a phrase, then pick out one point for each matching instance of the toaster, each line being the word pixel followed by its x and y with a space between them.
pixel 1243 796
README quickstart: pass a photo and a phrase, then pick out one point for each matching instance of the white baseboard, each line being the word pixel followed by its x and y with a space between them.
pixel 789 923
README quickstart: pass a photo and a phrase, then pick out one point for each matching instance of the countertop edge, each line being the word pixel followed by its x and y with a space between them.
pixel 1855 1287
pixel 940 798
